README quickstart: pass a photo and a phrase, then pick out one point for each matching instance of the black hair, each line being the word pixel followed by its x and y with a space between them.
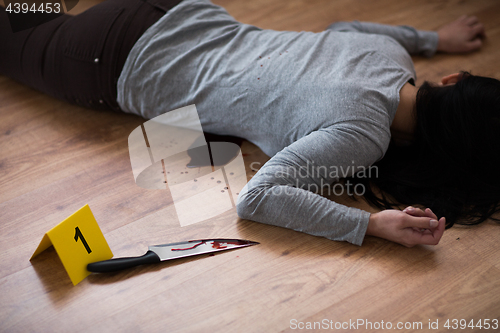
pixel 453 164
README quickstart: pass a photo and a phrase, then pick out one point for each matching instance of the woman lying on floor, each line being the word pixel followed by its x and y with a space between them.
pixel 322 105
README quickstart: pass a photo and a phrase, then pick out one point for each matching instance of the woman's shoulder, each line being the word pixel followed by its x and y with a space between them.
pixel 364 129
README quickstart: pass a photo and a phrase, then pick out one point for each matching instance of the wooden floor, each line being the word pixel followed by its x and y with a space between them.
pixel 55 158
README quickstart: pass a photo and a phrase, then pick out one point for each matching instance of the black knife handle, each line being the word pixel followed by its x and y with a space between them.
pixel 118 264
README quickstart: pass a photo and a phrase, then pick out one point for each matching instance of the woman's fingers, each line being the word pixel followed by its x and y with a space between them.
pixel 430 213
pixel 429 236
pixel 477 34
pixel 474 45
pixel 473 22
pixel 419 212
pixel 414 211
pixel 469 20
pixel 420 222
pixel 478 30
pixel 462 35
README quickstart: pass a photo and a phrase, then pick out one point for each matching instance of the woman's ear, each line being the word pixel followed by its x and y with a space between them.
pixel 451 79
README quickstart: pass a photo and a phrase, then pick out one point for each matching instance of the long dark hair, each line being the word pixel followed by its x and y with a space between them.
pixel 453 164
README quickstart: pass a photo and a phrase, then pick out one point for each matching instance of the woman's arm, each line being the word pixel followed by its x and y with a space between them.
pixel 413 40
pixel 460 36
pixel 281 193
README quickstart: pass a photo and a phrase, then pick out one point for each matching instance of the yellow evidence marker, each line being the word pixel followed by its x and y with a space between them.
pixel 78 241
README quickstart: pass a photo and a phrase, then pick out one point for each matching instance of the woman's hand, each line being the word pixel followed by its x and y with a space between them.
pixel 461 36
pixel 409 227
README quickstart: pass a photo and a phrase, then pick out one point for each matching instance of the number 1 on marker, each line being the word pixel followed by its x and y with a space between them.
pixel 78 234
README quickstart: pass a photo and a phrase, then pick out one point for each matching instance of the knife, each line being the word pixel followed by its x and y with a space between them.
pixel 158 253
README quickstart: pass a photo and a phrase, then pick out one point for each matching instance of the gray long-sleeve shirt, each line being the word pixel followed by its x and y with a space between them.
pixel 320 104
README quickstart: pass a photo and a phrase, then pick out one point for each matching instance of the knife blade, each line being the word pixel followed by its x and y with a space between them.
pixel 159 253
